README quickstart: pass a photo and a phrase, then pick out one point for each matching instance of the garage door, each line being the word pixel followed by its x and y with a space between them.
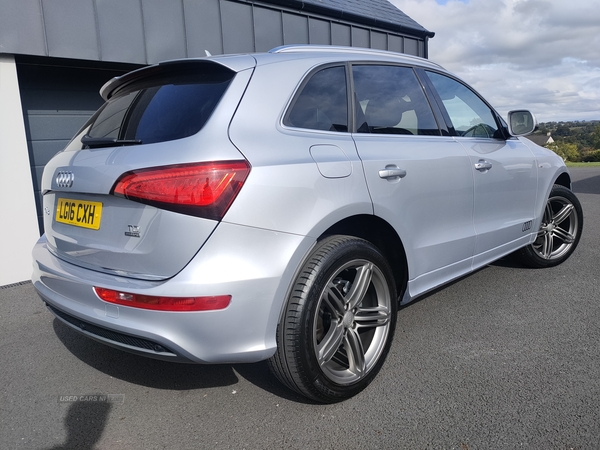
pixel 57 98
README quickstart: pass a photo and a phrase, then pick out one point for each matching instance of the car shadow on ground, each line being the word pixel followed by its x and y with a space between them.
pixel 587 185
pixel 139 370
pixel 260 375
pixel 167 375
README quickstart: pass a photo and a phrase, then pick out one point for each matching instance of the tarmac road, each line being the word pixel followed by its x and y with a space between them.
pixel 508 357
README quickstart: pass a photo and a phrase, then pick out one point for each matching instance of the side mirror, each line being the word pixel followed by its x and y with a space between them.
pixel 521 123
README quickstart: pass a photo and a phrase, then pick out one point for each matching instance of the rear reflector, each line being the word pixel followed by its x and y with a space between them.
pixel 164 303
pixel 201 189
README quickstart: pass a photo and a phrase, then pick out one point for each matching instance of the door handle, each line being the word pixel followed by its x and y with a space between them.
pixel 482 165
pixel 391 172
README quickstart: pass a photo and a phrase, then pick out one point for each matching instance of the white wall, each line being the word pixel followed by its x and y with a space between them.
pixel 18 220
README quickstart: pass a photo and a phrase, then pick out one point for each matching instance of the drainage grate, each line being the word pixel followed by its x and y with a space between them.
pixel 22 283
pixel 113 336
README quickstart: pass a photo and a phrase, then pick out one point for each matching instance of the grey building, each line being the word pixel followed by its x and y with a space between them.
pixel 56 54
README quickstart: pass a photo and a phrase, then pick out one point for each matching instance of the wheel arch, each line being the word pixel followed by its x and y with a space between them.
pixel 383 236
pixel 564 179
pixel 554 250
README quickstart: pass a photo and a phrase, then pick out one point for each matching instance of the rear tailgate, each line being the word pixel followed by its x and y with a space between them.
pixel 87 225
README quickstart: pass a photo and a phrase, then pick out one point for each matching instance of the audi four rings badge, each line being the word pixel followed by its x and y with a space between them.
pixel 64 179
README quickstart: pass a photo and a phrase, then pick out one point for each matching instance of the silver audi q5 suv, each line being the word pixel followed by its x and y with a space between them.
pixel 282 205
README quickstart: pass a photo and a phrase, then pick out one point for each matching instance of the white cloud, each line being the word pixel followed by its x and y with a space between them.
pixel 543 55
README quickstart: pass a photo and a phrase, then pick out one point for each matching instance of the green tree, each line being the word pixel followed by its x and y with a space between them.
pixel 562 130
pixel 567 152
pixel 595 138
pixel 590 155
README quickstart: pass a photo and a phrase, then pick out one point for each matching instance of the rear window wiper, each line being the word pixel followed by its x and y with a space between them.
pixel 96 142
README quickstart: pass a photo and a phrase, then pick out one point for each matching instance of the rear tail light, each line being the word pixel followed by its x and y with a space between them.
pixel 203 189
pixel 211 303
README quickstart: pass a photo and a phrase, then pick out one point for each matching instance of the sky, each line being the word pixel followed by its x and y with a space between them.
pixel 541 55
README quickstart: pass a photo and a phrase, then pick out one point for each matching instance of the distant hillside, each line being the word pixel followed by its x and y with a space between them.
pixel 574 141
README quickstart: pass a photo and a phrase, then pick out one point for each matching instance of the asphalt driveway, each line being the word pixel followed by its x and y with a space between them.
pixel 507 357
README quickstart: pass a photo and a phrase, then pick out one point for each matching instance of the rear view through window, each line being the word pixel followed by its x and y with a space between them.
pixel 163 107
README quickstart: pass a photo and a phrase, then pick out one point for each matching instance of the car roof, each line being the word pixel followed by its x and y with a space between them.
pixel 353 54
pixel 238 62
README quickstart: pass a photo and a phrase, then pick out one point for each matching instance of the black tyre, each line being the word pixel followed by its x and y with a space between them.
pixel 559 231
pixel 339 321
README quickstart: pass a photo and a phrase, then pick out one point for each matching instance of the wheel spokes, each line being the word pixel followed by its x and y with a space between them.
pixel 371 317
pixel 331 343
pixel 558 231
pixel 335 300
pixel 355 352
pixel 566 237
pixel 360 285
pixel 548 213
pixel 548 245
pixel 563 214
pixel 352 322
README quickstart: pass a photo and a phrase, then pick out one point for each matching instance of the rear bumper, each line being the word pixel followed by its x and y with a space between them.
pixel 122 341
pixel 252 265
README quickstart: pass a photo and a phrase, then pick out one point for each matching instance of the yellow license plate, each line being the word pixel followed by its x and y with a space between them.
pixel 79 213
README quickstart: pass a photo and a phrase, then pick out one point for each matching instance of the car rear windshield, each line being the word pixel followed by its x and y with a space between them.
pixel 157 108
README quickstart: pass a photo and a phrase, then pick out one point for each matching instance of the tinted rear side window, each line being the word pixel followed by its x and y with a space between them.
pixel 322 103
pixel 390 100
pixel 162 107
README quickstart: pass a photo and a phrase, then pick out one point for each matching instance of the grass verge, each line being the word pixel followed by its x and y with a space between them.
pixel 582 164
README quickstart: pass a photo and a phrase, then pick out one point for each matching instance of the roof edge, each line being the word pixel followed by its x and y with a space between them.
pixel 312 48
pixel 344 15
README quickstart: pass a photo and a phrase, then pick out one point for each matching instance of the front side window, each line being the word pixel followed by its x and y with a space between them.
pixel 469 115
pixel 390 100
pixel 322 104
